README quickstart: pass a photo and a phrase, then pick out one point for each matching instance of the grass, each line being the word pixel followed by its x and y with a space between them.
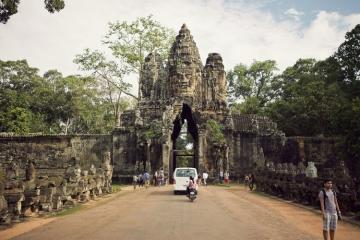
pixel 116 187
pixel 68 211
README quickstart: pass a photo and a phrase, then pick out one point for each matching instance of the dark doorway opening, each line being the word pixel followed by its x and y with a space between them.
pixel 185 140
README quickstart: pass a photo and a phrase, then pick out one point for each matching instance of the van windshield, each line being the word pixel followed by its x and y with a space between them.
pixel 185 172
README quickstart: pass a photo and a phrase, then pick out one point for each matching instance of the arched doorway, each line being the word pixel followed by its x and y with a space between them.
pixel 183 154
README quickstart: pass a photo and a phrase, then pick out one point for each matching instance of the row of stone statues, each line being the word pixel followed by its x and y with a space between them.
pixel 302 184
pixel 32 194
pixel 289 168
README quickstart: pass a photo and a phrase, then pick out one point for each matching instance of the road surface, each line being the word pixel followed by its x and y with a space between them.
pixel 219 213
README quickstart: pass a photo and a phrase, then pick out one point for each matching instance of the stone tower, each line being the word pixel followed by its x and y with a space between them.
pixel 172 92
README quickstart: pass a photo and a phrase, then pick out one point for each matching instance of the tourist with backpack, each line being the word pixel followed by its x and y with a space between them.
pixel 329 209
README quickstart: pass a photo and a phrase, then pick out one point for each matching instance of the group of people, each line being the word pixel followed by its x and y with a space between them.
pixel 144 179
pixel 224 177
pixel 141 180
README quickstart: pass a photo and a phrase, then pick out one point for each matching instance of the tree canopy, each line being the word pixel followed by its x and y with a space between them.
pixel 131 42
pixel 254 86
pixel 9 8
pixel 52 103
pixel 310 98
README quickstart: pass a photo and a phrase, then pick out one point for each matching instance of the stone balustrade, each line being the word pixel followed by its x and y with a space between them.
pixel 22 197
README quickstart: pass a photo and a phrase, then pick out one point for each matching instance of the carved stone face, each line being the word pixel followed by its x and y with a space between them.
pixel 92 170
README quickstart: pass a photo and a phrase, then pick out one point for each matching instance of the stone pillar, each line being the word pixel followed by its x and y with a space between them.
pixel 166 158
pixel 239 163
pixel 230 143
pixel 148 162
pixel 201 151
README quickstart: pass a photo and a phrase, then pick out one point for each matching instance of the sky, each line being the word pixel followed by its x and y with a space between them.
pixel 240 30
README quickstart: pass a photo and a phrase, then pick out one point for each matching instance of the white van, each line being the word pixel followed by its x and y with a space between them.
pixel 182 176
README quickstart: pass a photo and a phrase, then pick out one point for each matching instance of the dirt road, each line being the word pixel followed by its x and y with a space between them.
pixel 219 213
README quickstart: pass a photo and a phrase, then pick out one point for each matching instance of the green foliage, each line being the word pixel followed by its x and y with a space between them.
pixel 52 103
pixel 116 187
pixel 54 5
pixel 71 210
pixel 309 98
pixel 215 131
pixel 348 56
pixel 254 81
pixel 154 131
pixel 130 42
pixel 249 106
pixel 309 102
pixel 9 7
pixel 253 86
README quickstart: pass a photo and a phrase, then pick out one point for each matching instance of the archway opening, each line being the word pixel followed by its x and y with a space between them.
pixel 185 140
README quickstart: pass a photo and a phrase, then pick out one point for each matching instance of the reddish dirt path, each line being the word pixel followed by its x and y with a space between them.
pixel 218 213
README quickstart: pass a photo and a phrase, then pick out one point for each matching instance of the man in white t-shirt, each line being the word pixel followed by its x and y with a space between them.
pixel 329 209
pixel 205 176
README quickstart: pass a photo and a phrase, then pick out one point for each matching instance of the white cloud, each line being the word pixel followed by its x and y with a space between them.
pixel 240 33
pixel 293 13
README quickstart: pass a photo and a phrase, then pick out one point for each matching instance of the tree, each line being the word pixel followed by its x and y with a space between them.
pixel 52 103
pixel 109 75
pixel 131 42
pixel 9 8
pixel 310 99
pixel 256 84
pixel 348 56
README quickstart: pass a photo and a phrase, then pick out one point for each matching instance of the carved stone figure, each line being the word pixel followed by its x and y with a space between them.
pixel 301 168
pixel 292 169
pixel 108 169
pixel 270 166
pixel 92 170
pixel 138 120
pixel 30 172
pixel 311 170
pixel 12 171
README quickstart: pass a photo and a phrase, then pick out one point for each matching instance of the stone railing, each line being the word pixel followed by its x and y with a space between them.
pixel 26 197
pixel 305 190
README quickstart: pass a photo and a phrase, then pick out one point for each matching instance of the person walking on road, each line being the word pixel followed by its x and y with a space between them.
pixel 156 178
pixel 140 180
pixel 135 181
pixel 329 209
pixel 221 176
pixel 146 179
pixel 246 180
pixel 162 177
pixel 205 176
pixel 252 181
pixel 226 177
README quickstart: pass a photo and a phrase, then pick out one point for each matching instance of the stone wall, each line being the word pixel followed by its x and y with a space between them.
pixel 45 173
pixel 251 150
pixel 126 156
pixel 53 153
